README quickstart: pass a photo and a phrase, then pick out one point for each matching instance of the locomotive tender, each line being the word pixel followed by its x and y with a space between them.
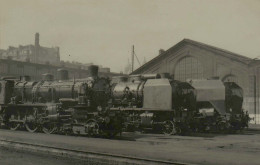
pixel 69 106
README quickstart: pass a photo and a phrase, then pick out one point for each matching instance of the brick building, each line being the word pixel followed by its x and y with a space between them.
pixel 32 53
pixel 34 60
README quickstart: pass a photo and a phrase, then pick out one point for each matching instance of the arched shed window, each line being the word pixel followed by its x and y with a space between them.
pixel 188 67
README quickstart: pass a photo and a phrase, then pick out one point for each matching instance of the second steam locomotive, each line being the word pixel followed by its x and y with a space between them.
pixel 158 102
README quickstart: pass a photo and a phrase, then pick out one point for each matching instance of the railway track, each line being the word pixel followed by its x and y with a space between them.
pixel 89 156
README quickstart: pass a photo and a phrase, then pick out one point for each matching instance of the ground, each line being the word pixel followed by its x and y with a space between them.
pixel 9 156
pixel 241 148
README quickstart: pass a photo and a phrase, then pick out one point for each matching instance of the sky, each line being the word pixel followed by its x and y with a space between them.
pixel 103 31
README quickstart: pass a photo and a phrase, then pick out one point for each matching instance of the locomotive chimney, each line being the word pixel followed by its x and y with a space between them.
pixel 37 39
pixel 93 71
pixel 47 77
pixel 63 74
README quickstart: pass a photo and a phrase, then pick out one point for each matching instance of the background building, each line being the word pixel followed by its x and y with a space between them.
pixel 191 59
pixel 32 53
pixel 35 60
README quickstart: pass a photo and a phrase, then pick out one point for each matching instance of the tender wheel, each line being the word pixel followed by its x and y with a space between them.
pixel 92 127
pixel 49 128
pixel 31 126
pixel 13 126
pixel 169 128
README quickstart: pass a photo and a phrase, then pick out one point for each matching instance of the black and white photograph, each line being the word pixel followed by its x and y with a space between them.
pixel 129 82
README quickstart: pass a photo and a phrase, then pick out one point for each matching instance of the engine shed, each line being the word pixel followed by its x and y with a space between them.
pixel 190 59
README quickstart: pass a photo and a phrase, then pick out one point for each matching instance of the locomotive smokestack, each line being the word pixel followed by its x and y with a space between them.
pixel 63 74
pixel 93 71
pixel 47 77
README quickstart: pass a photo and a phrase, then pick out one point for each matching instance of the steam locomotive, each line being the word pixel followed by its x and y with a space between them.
pixel 98 106
pixel 157 102
pixel 68 106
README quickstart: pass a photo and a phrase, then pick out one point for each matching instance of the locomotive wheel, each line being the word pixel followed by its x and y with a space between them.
pixel 169 128
pixel 13 126
pixel 92 127
pixel 49 128
pixel 31 127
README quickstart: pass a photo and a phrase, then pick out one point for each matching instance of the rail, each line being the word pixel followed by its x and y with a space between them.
pixel 111 158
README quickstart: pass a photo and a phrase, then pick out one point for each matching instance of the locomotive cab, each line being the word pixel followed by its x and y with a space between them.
pixel 234 97
pixel 210 105
pixel 234 100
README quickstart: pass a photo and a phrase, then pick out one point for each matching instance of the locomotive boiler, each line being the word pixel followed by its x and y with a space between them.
pixel 78 106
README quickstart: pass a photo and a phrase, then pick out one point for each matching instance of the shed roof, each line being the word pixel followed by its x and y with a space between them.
pixel 234 56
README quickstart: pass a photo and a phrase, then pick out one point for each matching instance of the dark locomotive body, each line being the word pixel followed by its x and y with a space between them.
pixel 78 106
pixel 159 103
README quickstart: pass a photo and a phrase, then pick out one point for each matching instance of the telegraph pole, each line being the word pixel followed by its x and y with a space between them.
pixel 133 56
